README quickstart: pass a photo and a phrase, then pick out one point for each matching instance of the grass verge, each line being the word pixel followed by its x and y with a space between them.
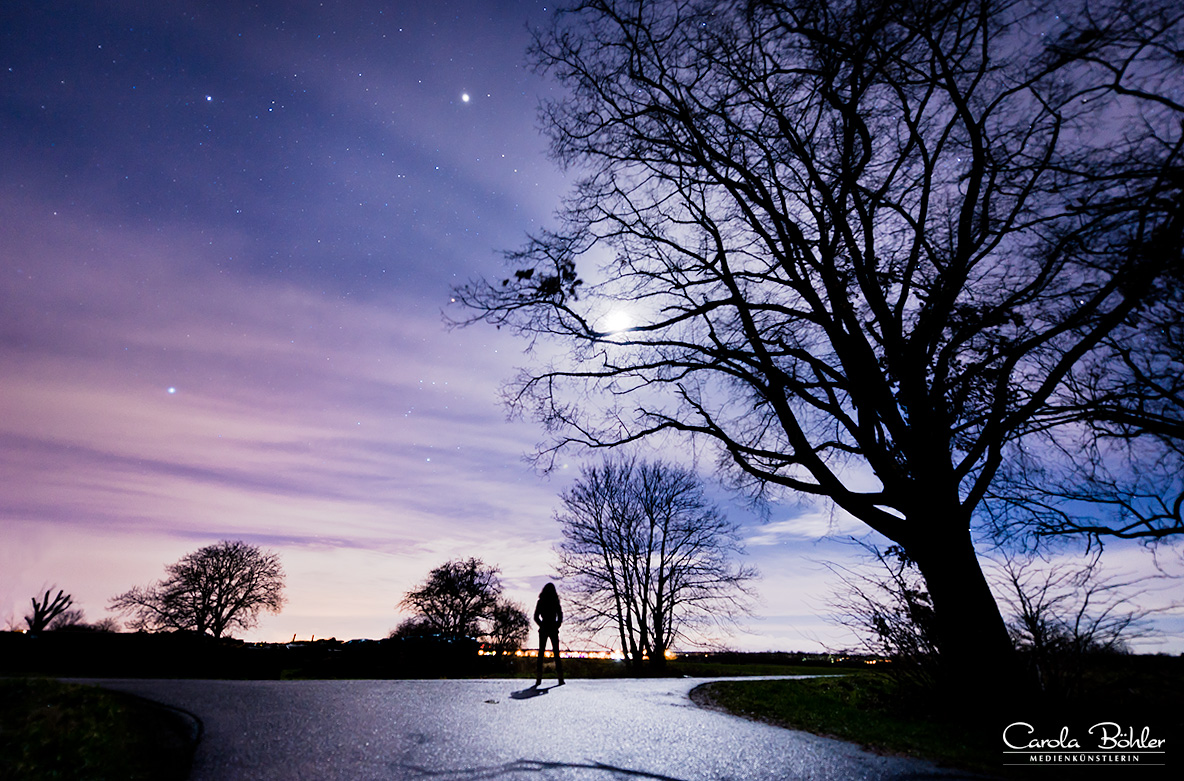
pixel 867 709
pixel 54 730
pixel 874 710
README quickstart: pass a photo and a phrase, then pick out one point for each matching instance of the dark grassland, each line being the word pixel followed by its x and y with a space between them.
pixel 884 714
pixel 54 730
pixel 181 655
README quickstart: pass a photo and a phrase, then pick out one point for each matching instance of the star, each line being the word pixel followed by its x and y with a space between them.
pixel 464 97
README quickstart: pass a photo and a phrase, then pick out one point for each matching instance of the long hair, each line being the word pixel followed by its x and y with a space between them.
pixel 549 599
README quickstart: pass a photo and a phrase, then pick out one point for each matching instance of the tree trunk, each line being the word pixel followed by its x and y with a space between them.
pixel 977 656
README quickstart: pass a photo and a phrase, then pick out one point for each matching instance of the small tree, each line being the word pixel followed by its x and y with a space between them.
pixel 890 611
pixel 409 628
pixel 508 627
pixel 1060 614
pixel 209 591
pixel 46 610
pixel 78 623
pixel 456 598
pixel 648 555
pixel 68 619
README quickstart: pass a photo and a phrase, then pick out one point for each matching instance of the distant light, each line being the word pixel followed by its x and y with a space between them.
pixel 172 390
pixel 464 98
pixel 209 98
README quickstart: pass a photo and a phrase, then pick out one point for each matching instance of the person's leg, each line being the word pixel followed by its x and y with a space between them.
pixel 538 680
pixel 558 659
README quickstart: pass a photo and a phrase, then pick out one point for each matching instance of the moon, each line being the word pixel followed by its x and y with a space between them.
pixel 617 320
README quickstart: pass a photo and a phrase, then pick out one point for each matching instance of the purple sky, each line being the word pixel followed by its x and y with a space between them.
pixel 228 237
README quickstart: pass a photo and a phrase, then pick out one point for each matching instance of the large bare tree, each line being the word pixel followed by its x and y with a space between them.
pixel 864 245
pixel 221 586
pixel 648 555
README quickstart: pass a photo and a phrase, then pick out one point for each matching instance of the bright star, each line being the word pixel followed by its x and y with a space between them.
pixel 172 390
pixel 464 98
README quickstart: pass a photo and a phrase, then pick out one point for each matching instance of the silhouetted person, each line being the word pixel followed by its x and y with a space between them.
pixel 548 614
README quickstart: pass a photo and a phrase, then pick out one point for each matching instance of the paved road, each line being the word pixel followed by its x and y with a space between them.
pixel 588 730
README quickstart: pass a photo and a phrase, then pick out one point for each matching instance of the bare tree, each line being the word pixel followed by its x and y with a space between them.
pixel 413 627
pixel 73 617
pixel 508 627
pixel 210 591
pixel 648 555
pixel 77 623
pixel 889 610
pixel 74 620
pixel 457 598
pixel 1062 613
pixel 865 245
pixel 1101 487
pixel 46 610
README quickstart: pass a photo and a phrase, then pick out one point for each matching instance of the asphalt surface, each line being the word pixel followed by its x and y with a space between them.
pixel 588 730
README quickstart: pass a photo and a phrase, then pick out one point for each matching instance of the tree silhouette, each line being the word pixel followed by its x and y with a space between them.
pixel 508 627
pixel 68 619
pixel 647 555
pixel 890 611
pixel 1061 613
pixel 413 627
pixel 866 245
pixel 456 598
pixel 209 591
pixel 46 610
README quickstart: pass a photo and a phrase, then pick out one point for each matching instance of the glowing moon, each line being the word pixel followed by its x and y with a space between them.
pixel 616 320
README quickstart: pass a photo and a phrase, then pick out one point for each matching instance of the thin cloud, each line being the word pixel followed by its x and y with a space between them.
pixel 811 525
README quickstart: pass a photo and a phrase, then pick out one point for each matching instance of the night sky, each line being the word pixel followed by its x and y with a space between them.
pixel 229 233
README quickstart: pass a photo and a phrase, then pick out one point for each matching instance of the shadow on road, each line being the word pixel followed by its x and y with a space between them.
pixel 533 691
pixel 536 766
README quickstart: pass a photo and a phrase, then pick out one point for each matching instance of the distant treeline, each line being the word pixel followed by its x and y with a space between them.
pixel 191 655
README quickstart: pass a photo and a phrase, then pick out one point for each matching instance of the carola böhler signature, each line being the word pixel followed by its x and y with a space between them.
pixel 1109 736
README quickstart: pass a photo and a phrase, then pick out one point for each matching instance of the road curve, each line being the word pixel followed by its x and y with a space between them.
pixel 464 730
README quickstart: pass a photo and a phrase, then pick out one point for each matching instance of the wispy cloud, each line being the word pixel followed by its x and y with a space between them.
pixel 806 525
pixel 150 395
